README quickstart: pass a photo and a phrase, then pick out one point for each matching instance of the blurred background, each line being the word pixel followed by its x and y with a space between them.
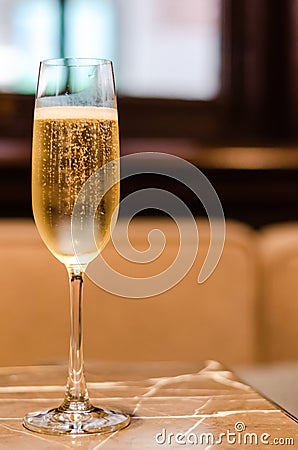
pixel 212 81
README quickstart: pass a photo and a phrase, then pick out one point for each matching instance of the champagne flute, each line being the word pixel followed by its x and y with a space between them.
pixel 75 135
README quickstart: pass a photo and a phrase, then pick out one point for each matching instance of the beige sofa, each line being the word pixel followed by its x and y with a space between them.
pixel 244 313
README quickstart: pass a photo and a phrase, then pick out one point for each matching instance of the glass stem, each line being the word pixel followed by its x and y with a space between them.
pixel 76 396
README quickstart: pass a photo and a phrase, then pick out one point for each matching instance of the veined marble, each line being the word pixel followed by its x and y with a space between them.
pixel 171 407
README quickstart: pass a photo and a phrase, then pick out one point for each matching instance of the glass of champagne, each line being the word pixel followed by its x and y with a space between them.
pixel 75 135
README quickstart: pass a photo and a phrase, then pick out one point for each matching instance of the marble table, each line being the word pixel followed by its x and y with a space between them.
pixel 172 406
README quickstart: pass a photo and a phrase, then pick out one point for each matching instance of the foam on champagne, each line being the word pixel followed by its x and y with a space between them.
pixel 75 112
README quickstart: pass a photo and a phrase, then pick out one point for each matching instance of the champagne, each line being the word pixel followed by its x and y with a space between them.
pixel 69 145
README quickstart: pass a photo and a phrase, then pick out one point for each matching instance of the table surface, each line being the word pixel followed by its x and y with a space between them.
pixel 172 406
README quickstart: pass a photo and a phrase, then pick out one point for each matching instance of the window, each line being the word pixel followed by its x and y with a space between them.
pixel 170 49
pixel 161 48
pixel 26 36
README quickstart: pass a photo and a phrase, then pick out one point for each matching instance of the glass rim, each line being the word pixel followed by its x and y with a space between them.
pixel 75 62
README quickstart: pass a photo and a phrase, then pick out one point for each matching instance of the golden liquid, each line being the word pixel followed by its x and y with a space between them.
pixel 69 145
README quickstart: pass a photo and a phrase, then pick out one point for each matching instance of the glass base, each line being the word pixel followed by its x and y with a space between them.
pixel 58 421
